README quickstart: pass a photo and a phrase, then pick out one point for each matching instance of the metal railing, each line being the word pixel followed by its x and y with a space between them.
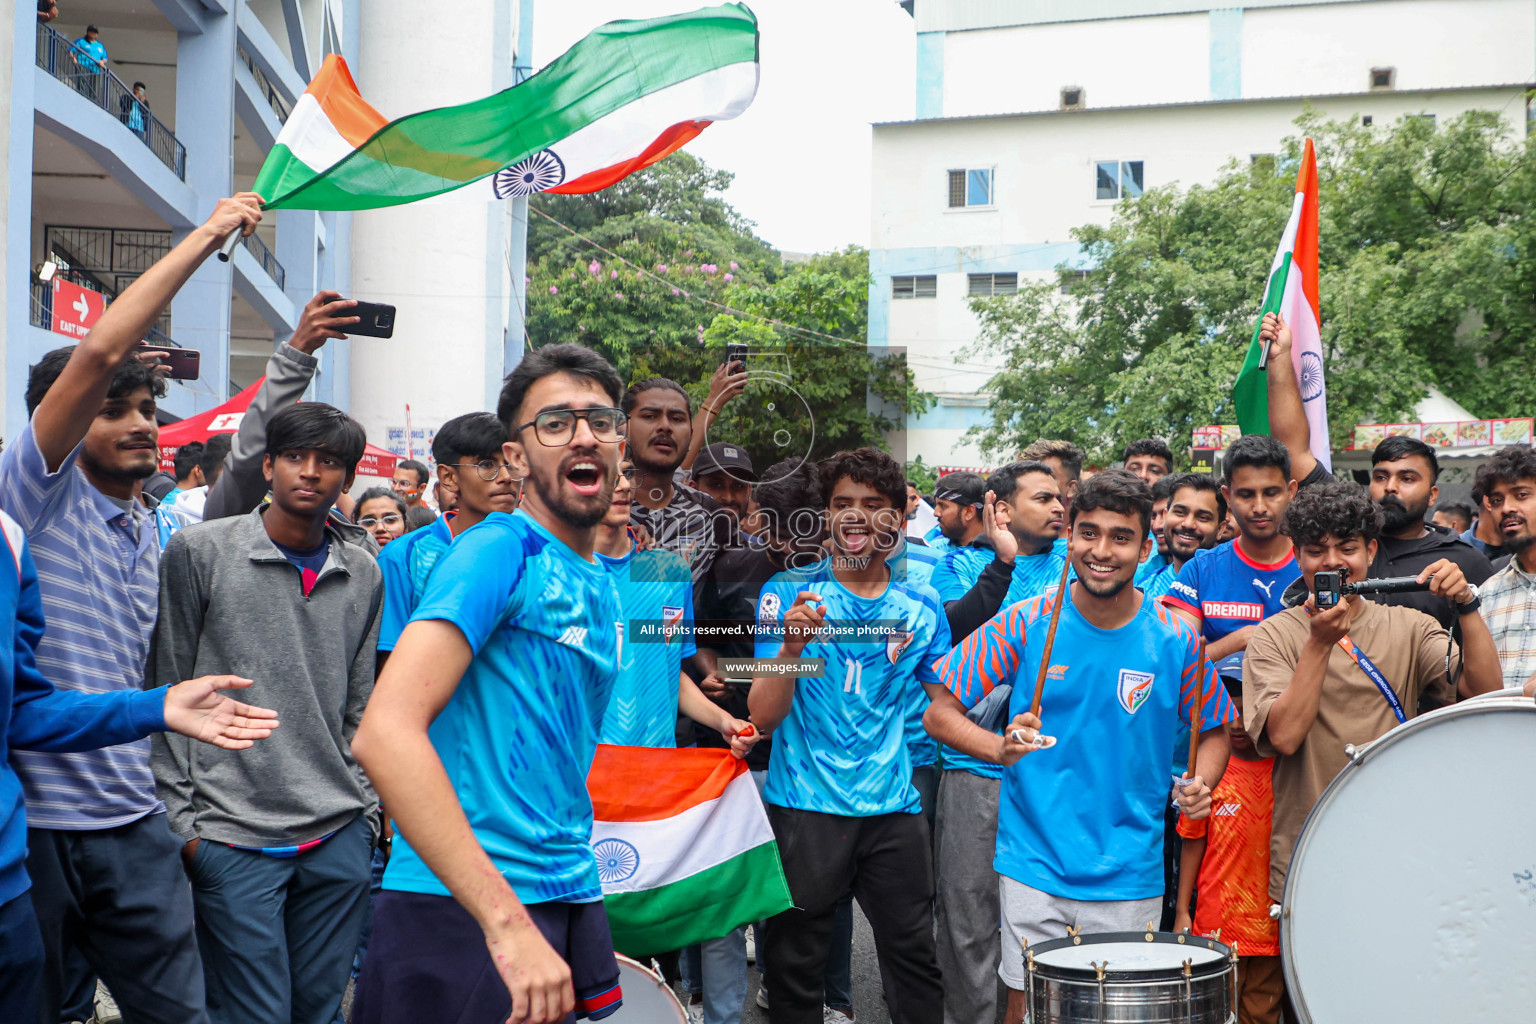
pixel 274 98
pixel 60 58
pixel 264 256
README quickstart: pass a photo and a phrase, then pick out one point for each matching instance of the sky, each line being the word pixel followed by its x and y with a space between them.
pixel 800 153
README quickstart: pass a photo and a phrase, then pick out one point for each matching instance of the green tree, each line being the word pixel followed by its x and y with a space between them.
pixel 1428 269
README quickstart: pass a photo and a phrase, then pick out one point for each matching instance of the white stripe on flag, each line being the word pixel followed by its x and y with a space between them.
pixel 700 838
pixel 1307 363
pixel 311 138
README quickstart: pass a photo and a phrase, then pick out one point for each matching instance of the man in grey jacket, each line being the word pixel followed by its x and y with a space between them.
pixel 278 845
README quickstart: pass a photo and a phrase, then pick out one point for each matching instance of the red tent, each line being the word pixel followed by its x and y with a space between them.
pixel 225 419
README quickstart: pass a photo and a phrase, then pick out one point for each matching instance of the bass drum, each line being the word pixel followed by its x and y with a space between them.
pixel 647 998
pixel 1412 889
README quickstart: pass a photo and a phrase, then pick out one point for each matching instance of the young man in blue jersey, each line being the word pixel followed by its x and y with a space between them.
pixel 965 837
pixel 958 501
pixel 656 599
pixel 1080 825
pixel 482 728
pixel 468 453
pixel 1191 521
pixel 1227 591
pixel 840 793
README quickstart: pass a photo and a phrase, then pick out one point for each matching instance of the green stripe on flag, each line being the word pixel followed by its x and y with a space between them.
pixel 1251 391
pixel 281 173
pixel 704 906
pixel 435 151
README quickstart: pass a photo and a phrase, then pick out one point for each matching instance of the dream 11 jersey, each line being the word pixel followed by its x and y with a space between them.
pixel 1083 820
pixel 518 735
pixel 843 747
pixel 1229 589
pixel 656 601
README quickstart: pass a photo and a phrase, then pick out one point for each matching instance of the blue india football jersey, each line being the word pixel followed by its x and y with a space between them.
pixel 960 569
pixel 1083 820
pixel 1231 590
pixel 843 749
pixel 914 563
pixel 518 734
pixel 407 563
pixel 1033 576
pixel 656 599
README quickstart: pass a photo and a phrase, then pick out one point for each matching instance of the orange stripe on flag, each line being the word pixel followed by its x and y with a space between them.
pixel 1304 252
pixel 336 92
pixel 653 783
pixel 665 144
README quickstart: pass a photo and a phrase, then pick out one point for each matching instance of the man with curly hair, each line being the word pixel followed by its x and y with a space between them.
pixel 1316 679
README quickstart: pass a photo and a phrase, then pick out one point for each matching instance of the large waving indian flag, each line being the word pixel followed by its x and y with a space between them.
pixel 625 96
pixel 683 847
pixel 1292 292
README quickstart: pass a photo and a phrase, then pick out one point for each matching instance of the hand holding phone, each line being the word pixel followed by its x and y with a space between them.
pixel 374 320
pixel 180 363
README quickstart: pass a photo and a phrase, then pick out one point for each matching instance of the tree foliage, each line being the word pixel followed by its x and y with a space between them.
pixel 692 278
pixel 1427 267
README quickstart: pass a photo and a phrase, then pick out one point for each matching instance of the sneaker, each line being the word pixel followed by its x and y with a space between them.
pixel 831 1016
pixel 106 1007
pixel 751 945
pixel 762 996
pixel 696 1013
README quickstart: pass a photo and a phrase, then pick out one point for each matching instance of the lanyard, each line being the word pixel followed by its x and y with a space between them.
pixel 1369 668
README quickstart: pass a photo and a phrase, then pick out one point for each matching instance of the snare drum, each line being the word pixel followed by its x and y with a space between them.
pixel 1130 978
pixel 1411 894
pixel 647 998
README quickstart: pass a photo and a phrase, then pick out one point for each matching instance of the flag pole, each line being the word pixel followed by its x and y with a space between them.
pixel 228 248
pixel 1198 720
pixel 1050 638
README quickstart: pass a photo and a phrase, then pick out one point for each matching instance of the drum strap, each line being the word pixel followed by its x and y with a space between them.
pixel 1369 668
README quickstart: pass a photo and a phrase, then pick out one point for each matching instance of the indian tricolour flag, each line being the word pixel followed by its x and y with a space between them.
pixel 683 847
pixel 1292 292
pixel 622 98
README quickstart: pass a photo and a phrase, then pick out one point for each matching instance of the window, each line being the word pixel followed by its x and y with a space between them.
pixel 1428 119
pixel 1073 98
pixel 925 286
pixel 988 285
pixel 1367 120
pixel 1116 179
pixel 1383 79
pixel 1070 279
pixel 970 187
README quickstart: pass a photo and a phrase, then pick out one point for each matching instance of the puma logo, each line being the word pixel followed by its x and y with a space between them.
pixel 1266 586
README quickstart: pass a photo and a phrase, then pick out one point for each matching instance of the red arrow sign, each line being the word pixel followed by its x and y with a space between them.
pixel 75 308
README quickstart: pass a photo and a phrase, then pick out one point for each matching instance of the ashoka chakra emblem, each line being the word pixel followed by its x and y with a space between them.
pixel 1311 376
pixel 538 173
pixel 617 861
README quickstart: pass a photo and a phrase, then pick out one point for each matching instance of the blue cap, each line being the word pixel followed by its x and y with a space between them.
pixel 1231 667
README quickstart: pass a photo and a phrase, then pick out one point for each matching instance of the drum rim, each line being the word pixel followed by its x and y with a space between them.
pixel 1050 972
pixel 1488 703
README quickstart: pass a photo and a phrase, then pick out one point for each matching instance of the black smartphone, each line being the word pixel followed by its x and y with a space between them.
pixel 735 353
pixel 184 363
pixel 375 319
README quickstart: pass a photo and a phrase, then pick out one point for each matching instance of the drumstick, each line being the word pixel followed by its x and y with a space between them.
pixel 1195 723
pixel 1050 638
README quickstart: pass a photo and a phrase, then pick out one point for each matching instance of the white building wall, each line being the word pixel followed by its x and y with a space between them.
pixel 443 265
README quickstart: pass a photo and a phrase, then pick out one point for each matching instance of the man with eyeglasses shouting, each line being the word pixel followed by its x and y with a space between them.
pixel 492 905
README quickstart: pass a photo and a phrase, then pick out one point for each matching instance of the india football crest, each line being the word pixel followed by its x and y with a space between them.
pixel 671 619
pixel 896 641
pixel 1135 688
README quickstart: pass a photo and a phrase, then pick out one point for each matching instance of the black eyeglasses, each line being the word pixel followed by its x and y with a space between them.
pixel 391 519
pixel 628 473
pixel 488 469
pixel 555 427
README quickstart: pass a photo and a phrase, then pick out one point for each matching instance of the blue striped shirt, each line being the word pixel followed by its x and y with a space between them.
pixel 98 568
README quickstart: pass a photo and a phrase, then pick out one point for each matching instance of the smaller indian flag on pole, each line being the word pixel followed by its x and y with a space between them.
pixel 683 847
pixel 1292 292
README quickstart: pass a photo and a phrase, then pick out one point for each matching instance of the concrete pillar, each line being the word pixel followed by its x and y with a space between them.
pixel 205 124
pixel 444 266
pixel 18 49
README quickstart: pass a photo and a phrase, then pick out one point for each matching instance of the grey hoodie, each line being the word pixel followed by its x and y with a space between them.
pixel 231 603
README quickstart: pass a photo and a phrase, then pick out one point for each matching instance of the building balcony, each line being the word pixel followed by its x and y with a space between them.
pixel 274 269
pixel 58 57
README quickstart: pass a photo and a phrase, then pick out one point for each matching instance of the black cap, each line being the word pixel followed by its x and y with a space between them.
pixel 724 458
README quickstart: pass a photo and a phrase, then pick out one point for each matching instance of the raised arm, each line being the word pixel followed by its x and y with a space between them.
pixel 1287 417
pixel 66 412
pixel 771 697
